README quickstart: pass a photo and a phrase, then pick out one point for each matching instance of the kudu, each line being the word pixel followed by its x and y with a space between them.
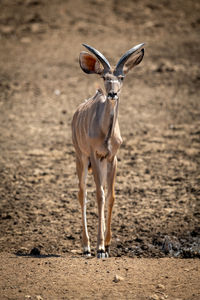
pixel 96 138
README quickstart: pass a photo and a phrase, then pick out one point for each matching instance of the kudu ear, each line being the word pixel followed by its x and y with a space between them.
pixel 90 64
pixel 133 61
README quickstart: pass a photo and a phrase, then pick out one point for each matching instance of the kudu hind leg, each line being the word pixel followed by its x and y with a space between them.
pixel 82 170
pixel 111 174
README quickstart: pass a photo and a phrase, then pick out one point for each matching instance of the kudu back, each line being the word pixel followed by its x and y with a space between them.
pixel 96 138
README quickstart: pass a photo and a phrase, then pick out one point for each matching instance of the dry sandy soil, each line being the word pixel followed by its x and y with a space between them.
pixel 156 236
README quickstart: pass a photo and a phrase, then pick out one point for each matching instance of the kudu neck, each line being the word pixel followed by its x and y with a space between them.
pixel 110 116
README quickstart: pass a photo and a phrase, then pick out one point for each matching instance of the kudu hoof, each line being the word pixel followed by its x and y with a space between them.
pixel 102 254
pixel 87 253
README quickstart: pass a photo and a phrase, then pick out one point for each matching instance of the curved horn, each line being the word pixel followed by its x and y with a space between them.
pixel 119 67
pixel 100 57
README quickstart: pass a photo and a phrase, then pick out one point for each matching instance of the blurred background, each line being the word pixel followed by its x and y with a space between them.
pixel 157 188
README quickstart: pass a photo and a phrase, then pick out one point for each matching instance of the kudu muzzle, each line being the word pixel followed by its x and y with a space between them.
pixel 112 96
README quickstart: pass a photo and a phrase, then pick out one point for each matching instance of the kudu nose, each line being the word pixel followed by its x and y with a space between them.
pixel 112 95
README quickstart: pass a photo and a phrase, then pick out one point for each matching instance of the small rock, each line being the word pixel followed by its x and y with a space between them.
pixel 25 40
pixel 35 251
pixel 74 251
pixel 28 297
pixel 167 245
pixel 22 251
pixel 117 278
pixel 57 92
pixel 39 297
pixel 6 29
pixel 79 252
pixel 154 297
pixel 36 27
pixel 161 287
pixel 163 297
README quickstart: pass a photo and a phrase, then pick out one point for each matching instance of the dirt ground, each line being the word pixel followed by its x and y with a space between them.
pixel 69 277
pixel 156 233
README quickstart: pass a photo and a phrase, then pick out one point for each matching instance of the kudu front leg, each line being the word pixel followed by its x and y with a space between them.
pixel 99 168
pixel 82 170
pixel 111 174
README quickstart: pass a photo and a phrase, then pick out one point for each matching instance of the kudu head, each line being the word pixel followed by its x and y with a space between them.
pixel 113 77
